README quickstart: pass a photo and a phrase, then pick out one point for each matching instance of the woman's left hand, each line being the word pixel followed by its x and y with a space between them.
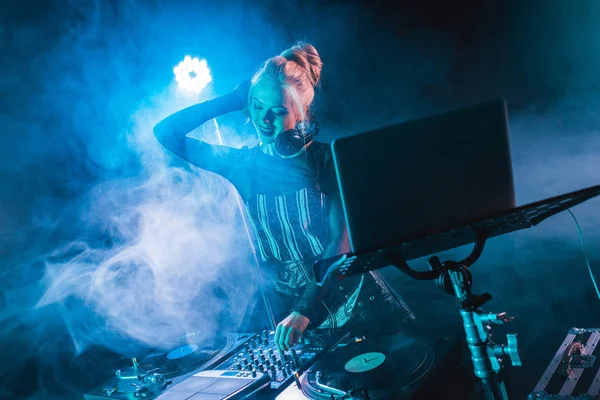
pixel 289 330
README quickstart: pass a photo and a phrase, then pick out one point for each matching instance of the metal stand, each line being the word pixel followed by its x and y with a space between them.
pixel 455 279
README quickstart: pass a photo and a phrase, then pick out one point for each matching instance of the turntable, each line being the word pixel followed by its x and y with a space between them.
pixel 388 367
pixel 229 366
pixel 157 371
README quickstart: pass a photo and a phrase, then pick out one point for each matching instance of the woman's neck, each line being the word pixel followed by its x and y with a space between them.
pixel 268 149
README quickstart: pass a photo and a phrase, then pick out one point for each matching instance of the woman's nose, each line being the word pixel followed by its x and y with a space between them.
pixel 268 117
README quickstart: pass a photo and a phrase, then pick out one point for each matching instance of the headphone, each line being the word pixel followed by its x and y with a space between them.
pixel 292 142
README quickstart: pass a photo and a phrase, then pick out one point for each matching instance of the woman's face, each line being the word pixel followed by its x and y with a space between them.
pixel 272 110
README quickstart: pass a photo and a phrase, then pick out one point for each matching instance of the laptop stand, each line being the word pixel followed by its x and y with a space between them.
pixel 454 278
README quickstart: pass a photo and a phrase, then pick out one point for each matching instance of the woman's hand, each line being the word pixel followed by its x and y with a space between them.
pixel 289 330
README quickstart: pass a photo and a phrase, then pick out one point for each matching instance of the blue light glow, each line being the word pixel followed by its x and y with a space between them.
pixel 192 74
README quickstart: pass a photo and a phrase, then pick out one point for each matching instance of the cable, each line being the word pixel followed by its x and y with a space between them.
pixel 261 283
pixel 585 254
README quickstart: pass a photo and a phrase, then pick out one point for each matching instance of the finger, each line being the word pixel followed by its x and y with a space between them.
pixel 295 337
pixel 281 342
pixel 341 260
pixel 288 338
pixel 277 336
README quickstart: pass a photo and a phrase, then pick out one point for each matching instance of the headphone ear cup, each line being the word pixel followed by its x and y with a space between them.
pixel 293 141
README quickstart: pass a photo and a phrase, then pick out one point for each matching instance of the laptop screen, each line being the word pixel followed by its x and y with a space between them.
pixel 424 176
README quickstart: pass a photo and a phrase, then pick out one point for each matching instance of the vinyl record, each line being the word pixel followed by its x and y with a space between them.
pixel 381 366
pixel 193 352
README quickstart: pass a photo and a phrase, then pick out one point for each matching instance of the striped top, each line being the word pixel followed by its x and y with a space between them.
pixel 289 226
pixel 286 202
pixel 287 208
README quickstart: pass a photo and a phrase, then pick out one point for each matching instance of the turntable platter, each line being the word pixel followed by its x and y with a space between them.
pixel 192 353
pixel 381 366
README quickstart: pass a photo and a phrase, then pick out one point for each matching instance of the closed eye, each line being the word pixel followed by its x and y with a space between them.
pixel 279 113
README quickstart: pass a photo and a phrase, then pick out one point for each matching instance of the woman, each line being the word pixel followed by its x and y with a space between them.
pixel 289 187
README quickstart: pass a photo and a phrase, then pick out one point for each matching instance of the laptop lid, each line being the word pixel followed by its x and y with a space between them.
pixel 424 176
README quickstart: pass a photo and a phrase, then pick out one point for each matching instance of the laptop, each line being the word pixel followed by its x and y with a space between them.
pixel 429 175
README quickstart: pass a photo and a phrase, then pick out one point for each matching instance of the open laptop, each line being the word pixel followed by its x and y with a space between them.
pixel 429 175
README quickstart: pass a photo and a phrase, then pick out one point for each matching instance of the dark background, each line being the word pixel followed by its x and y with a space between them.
pixel 107 244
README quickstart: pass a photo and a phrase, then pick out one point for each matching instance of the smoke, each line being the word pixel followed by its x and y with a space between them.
pixel 109 245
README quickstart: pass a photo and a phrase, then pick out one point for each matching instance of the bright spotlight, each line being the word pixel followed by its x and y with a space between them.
pixel 192 74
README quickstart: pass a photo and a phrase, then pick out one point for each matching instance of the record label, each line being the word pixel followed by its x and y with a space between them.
pixel 182 351
pixel 365 362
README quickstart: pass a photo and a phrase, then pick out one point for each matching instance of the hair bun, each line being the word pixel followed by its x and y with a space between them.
pixel 305 55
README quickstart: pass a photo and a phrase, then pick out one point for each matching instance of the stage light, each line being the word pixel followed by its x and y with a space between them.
pixel 192 74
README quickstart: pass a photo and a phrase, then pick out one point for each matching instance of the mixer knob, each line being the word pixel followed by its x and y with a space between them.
pixel 247 346
pixel 238 366
pixel 268 362
pixel 262 357
pixel 253 374
pixel 279 363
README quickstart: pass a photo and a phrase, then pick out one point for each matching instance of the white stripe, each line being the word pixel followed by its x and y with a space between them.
pixel 324 210
pixel 264 222
pixel 309 230
pixel 263 254
pixel 289 229
pixel 304 224
pixel 284 228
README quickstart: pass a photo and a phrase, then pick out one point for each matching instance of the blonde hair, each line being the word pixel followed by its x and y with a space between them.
pixel 298 71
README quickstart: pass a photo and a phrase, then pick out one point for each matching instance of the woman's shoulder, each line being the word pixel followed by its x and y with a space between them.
pixel 321 150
